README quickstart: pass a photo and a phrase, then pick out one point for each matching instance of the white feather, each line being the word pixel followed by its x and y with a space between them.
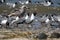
pixel 3 21
pixel 26 17
pixel 49 3
pixel 11 4
pixel 2 0
pixel 14 5
pixel 21 2
pixel 52 18
pixel 47 20
pixel 58 18
pixel 17 18
pixel 27 2
pixel 46 3
pixel 23 6
pixel 32 17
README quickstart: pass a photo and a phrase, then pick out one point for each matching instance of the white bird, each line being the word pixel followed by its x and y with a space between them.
pixel 52 19
pixel 21 2
pixel 43 18
pixel 47 20
pixel 11 4
pixel 28 18
pixel 32 16
pixel 14 5
pixel 46 3
pixel 2 0
pixel 58 18
pixel 16 19
pixel 26 2
pixel 23 6
pixel 4 21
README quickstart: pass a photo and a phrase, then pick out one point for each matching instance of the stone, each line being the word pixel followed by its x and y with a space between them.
pixel 55 35
pixel 42 36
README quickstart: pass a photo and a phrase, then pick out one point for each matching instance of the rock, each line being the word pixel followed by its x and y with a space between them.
pixel 55 35
pixel 42 36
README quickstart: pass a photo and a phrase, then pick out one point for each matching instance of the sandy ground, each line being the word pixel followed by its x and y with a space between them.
pixel 18 39
pixel 18 35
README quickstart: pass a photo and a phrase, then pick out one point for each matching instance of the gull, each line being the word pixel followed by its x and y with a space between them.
pixel 2 0
pixel 47 20
pixel 43 18
pixel 32 17
pixel 47 3
pixel 26 2
pixel 20 11
pixel 52 18
pixel 11 4
pixel 21 2
pixel 16 19
pixel 57 18
pixel 28 18
pixel 4 21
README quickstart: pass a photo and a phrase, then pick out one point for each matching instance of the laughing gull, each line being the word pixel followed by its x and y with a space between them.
pixel 57 18
pixel 4 21
pixel 16 18
pixel 46 3
pixel 52 18
pixel 25 2
pixel 45 19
